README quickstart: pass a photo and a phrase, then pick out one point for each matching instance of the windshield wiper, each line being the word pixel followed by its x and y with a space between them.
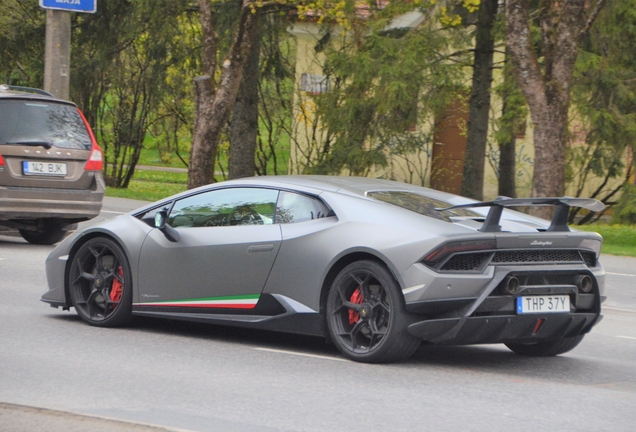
pixel 46 144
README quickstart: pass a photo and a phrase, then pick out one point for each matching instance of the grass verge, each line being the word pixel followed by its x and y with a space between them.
pixel 617 239
pixel 151 185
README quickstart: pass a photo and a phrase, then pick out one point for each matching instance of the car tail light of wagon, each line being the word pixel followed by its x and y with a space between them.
pixel 95 160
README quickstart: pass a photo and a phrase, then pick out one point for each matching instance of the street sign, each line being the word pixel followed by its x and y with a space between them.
pixel 89 6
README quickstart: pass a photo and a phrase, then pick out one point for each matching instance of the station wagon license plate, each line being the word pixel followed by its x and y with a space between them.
pixel 44 168
pixel 543 304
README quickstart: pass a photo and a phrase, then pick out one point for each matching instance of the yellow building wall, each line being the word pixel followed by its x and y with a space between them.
pixel 415 168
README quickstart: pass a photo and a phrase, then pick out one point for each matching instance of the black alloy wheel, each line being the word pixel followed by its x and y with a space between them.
pixel 100 283
pixel 366 315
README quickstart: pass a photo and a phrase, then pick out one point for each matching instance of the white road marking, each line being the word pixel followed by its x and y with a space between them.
pixel 626 337
pixel 620 274
pixel 301 354
pixel 612 308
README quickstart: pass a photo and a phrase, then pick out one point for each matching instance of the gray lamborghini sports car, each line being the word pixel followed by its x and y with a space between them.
pixel 375 266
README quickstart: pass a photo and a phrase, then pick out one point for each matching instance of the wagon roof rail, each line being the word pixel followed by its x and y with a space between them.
pixel 25 89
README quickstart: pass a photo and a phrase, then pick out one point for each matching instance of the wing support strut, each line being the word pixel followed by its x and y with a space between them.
pixel 559 219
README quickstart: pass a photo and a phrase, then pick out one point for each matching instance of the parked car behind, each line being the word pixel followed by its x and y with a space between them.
pixel 50 165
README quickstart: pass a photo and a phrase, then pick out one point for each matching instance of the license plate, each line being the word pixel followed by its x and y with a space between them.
pixel 44 168
pixel 543 304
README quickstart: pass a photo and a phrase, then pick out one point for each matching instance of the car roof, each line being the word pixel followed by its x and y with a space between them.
pixel 11 92
pixel 344 184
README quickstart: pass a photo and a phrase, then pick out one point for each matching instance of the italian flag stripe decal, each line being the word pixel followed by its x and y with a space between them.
pixel 227 302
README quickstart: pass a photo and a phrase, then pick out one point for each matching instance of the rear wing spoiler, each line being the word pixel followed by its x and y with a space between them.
pixel 559 220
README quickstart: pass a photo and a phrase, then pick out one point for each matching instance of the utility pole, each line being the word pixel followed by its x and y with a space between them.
pixel 57 55
pixel 57 50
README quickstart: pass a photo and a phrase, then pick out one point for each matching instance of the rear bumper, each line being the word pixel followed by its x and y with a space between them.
pixel 488 314
pixel 35 203
pixel 505 328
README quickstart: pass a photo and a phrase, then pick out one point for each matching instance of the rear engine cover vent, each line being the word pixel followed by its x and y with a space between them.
pixel 589 258
pixel 474 261
pixel 466 262
pixel 537 256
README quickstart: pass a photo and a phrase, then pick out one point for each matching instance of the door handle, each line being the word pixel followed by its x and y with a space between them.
pixel 260 248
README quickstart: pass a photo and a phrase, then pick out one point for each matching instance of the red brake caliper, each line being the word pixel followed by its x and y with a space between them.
pixel 117 287
pixel 356 297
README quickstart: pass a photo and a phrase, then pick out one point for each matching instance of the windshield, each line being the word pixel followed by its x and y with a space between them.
pixel 421 204
pixel 35 122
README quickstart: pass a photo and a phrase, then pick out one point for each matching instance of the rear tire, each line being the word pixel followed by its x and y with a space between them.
pixel 547 348
pixel 366 315
pixel 49 231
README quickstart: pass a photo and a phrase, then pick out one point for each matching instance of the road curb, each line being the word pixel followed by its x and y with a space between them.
pixel 23 417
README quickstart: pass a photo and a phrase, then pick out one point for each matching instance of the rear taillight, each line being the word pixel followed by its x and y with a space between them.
pixel 450 248
pixel 95 160
pixel 1 161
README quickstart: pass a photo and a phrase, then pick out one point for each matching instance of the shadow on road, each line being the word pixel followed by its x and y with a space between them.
pixel 495 359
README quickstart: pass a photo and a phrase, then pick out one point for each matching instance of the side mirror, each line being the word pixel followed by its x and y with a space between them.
pixel 161 218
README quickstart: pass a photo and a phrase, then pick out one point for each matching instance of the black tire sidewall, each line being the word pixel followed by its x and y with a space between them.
pixel 123 313
pixel 51 232
pixel 397 344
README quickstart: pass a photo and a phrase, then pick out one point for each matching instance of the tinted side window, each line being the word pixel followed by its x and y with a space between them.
pixel 421 204
pixel 294 207
pixel 60 125
pixel 225 207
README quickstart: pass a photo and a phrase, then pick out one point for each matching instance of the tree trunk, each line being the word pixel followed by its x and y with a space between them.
pixel 513 116
pixel 203 152
pixel 550 137
pixel 479 110
pixel 508 168
pixel 244 125
pixel 547 89
pixel 210 39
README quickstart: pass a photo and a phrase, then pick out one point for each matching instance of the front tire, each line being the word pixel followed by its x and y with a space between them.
pixel 100 283
pixel 366 315
pixel 546 348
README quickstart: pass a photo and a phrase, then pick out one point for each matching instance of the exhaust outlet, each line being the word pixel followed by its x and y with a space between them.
pixel 510 285
pixel 584 283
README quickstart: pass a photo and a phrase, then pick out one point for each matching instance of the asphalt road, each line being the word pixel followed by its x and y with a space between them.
pixel 58 374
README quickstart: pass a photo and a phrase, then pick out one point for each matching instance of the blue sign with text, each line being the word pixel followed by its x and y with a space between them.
pixel 89 6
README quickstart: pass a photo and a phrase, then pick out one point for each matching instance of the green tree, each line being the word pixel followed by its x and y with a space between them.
pixel 120 70
pixel 215 99
pixel 121 60
pixel 479 102
pixel 276 95
pixel 22 30
pixel 604 94
pixel 546 85
pixel 384 81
